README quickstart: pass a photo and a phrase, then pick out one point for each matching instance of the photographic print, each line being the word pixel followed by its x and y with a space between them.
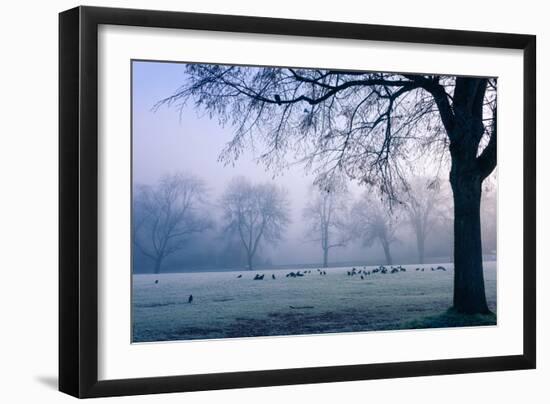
pixel 278 201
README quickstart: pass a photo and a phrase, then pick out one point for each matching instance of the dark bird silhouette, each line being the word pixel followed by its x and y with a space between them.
pixel 362 277
pixel 278 99
pixel 190 300
pixel 273 276
pixel 240 276
pixel 156 281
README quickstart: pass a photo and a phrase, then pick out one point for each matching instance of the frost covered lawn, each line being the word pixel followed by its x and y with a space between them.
pixel 225 306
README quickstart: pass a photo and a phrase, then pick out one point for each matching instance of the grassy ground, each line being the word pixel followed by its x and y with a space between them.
pixel 451 318
pixel 225 306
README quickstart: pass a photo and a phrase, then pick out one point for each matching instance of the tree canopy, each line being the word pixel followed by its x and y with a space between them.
pixel 365 125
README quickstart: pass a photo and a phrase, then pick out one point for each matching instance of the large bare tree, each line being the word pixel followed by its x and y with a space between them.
pixel 364 125
pixel 167 214
pixel 326 213
pixel 256 213
pixel 374 222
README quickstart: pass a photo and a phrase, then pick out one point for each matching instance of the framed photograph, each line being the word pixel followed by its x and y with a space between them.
pixel 251 201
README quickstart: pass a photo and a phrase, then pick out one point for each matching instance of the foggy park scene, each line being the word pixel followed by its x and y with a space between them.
pixel 277 201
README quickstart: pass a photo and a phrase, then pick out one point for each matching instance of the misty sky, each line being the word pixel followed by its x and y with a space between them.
pixel 165 142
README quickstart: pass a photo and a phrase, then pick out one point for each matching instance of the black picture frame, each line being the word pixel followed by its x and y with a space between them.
pixel 78 201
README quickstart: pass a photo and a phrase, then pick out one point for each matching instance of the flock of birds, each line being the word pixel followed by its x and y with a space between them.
pixel 353 272
pixel 362 273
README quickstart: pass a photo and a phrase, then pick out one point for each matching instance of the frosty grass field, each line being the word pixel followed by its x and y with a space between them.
pixel 225 306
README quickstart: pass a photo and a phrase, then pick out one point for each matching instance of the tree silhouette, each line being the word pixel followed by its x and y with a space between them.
pixel 421 206
pixel 326 214
pixel 255 213
pixel 364 125
pixel 167 214
pixel 374 222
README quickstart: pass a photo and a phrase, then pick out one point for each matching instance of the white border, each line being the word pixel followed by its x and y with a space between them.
pixel 120 359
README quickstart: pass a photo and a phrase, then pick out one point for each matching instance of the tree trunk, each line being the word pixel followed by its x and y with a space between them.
pixel 325 257
pixel 158 263
pixel 469 286
pixel 249 261
pixel 420 245
pixel 387 252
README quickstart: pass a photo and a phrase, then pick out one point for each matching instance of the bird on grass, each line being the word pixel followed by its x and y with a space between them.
pixel 240 276
pixel 273 276
pixel 190 300
pixel 156 281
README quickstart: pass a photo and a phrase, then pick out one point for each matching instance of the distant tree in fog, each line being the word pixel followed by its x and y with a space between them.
pixel 326 213
pixel 256 213
pixel 421 209
pixel 167 214
pixel 374 222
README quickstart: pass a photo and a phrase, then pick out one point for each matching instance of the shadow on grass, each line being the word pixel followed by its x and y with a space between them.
pixel 451 318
